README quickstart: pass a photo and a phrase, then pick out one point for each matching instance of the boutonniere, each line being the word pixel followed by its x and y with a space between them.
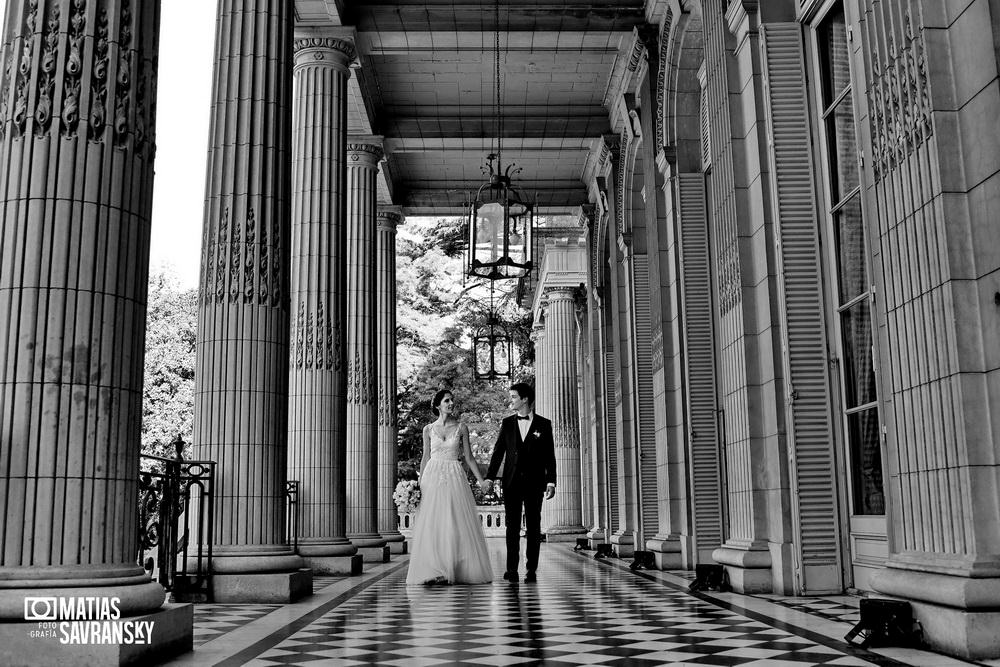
pixel 536 434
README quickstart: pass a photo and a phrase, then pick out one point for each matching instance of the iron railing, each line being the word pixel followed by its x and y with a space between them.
pixel 292 513
pixel 176 511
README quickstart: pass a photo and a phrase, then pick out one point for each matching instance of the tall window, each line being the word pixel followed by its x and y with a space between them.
pixel 853 294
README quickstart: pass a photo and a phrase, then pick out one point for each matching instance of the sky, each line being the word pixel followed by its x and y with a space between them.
pixel 187 34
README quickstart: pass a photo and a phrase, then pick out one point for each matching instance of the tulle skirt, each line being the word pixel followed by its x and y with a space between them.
pixel 448 537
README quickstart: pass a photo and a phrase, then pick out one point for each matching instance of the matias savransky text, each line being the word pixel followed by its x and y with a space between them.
pixel 85 620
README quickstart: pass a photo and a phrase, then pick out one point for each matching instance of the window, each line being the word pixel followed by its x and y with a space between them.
pixel 850 272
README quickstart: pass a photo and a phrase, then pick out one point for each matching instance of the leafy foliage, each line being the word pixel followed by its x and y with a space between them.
pixel 436 316
pixel 168 388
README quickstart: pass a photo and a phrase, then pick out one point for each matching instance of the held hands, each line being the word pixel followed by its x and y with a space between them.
pixel 550 491
pixel 485 485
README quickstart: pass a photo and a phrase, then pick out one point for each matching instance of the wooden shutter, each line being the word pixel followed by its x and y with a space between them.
pixel 699 365
pixel 645 419
pixel 810 432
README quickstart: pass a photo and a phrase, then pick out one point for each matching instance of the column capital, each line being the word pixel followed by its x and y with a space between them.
pixel 389 217
pixel 323 52
pixel 537 330
pixel 364 148
pixel 560 293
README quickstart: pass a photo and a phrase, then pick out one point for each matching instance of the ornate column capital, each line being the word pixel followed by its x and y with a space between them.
pixel 560 293
pixel 389 218
pixel 364 150
pixel 337 52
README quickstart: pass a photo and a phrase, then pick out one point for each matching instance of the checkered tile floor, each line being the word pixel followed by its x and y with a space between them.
pixel 832 609
pixel 579 613
pixel 214 620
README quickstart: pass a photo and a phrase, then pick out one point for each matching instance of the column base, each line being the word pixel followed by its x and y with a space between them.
pixel 272 587
pixel 666 552
pixel 375 554
pixel 623 545
pixel 350 565
pixel 597 536
pixel 396 542
pixel 959 615
pixel 340 548
pixel 172 635
pixel 748 567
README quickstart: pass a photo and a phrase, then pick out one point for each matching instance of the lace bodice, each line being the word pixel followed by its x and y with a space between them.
pixel 446 448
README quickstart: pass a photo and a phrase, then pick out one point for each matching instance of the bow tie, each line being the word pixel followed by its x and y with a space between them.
pixel 527 417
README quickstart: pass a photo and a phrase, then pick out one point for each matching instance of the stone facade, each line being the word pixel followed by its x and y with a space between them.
pixel 780 302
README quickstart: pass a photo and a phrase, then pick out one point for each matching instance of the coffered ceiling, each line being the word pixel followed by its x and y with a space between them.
pixel 425 81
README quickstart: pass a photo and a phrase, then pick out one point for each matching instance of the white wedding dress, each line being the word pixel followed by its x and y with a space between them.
pixel 448 540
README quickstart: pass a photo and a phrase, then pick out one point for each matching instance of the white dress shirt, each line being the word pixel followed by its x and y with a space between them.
pixel 524 424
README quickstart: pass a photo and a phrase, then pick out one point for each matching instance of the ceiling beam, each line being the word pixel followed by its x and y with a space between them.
pixel 527 15
pixel 474 127
pixel 454 198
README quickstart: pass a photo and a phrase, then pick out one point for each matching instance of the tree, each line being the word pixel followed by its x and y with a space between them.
pixel 168 387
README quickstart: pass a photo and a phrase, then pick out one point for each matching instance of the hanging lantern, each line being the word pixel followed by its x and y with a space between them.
pixel 501 224
pixel 501 220
pixel 493 350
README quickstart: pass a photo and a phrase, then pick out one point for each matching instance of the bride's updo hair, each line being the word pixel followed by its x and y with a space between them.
pixel 438 397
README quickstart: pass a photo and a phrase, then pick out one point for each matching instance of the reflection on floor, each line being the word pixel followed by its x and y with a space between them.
pixel 580 612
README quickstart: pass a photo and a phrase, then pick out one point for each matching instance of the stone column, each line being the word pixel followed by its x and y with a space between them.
pixel 563 517
pixel 317 402
pixel 363 156
pixel 385 263
pixel 538 338
pixel 241 376
pixel 76 147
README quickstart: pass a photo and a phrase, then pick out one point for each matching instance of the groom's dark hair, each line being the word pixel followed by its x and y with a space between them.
pixel 525 391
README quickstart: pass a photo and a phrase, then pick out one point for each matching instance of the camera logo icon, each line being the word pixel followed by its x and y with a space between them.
pixel 40 609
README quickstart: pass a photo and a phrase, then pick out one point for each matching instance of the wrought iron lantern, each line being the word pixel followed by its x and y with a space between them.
pixel 492 346
pixel 501 224
pixel 493 350
pixel 501 219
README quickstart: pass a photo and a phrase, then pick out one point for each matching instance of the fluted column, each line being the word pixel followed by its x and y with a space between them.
pixel 317 396
pixel 241 376
pixel 385 263
pixel 76 149
pixel 563 516
pixel 538 338
pixel 363 156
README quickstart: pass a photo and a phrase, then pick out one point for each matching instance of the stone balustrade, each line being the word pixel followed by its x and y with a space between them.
pixel 492 518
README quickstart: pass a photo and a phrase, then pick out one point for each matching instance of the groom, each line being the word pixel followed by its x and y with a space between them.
pixel 529 473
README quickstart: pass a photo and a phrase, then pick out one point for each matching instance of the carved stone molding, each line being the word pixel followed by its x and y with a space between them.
pixel 729 277
pixel 565 434
pixel 660 115
pixel 316 339
pixel 560 293
pixel 899 99
pixel 241 263
pixel 389 219
pixel 320 44
pixel 360 381
pixel 359 150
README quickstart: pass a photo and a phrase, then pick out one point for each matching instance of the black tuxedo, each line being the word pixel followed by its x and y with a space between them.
pixel 528 466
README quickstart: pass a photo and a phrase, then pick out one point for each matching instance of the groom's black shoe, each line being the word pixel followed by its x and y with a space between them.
pixel 529 577
pixel 510 576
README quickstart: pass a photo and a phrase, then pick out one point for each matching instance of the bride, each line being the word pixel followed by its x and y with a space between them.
pixel 448 542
